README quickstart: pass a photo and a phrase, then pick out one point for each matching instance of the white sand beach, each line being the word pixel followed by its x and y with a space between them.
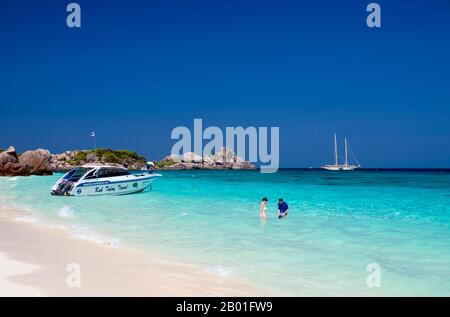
pixel 10 270
pixel 34 261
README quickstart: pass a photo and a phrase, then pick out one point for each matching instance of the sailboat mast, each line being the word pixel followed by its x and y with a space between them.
pixel 346 152
pixel 335 150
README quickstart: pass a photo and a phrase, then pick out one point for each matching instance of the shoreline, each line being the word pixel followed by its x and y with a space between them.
pixel 36 261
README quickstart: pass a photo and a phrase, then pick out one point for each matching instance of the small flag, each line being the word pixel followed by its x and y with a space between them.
pixel 93 134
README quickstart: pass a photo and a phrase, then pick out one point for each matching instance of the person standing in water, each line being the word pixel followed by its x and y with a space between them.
pixel 282 208
pixel 263 208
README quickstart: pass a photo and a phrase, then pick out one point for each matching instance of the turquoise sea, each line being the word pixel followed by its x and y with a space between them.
pixel 338 224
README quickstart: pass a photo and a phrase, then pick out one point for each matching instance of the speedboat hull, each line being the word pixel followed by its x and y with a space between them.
pixel 96 181
pixel 111 187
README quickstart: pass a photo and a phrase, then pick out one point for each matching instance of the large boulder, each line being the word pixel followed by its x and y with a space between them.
pixel 38 161
pixel 11 150
pixel 209 159
pixel 15 169
pixel 172 158
pixel 191 157
pixel 224 154
pixel 8 156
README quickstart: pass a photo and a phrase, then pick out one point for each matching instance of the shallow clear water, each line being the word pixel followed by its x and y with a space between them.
pixel 338 224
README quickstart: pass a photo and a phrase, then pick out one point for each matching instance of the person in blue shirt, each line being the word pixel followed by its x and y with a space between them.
pixel 282 208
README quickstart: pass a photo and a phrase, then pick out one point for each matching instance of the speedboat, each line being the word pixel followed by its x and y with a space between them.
pixel 94 180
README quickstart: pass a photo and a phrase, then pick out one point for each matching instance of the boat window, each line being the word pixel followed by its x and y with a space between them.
pixel 75 174
pixel 91 175
pixel 112 172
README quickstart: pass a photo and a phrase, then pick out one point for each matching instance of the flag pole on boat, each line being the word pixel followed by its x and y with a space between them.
pixel 95 144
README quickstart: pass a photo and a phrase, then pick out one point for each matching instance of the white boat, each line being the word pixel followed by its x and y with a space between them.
pixel 94 180
pixel 341 167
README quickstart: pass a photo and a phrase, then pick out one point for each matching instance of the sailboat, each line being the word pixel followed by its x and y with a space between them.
pixel 341 167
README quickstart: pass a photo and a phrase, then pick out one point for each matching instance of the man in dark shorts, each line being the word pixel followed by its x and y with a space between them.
pixel 282 208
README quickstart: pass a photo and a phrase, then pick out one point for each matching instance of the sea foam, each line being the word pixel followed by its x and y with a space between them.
pixel 30 219
pixel 81 232
pixel 218 270
pixel 66 212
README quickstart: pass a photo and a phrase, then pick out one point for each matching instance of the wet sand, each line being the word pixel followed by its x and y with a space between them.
pixel 40 261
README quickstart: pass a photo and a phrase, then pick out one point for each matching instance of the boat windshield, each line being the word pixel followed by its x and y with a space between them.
pixel 75 174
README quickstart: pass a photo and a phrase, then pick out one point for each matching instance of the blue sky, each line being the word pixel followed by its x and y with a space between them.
pixel 137 69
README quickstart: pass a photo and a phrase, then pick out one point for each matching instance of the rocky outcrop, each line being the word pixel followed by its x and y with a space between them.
pixel 42 162
pixel 35 162
pixel 225 159
pixel 70 159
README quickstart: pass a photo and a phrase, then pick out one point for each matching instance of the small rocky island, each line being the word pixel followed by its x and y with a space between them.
pixel 225 159
pixel 42 162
